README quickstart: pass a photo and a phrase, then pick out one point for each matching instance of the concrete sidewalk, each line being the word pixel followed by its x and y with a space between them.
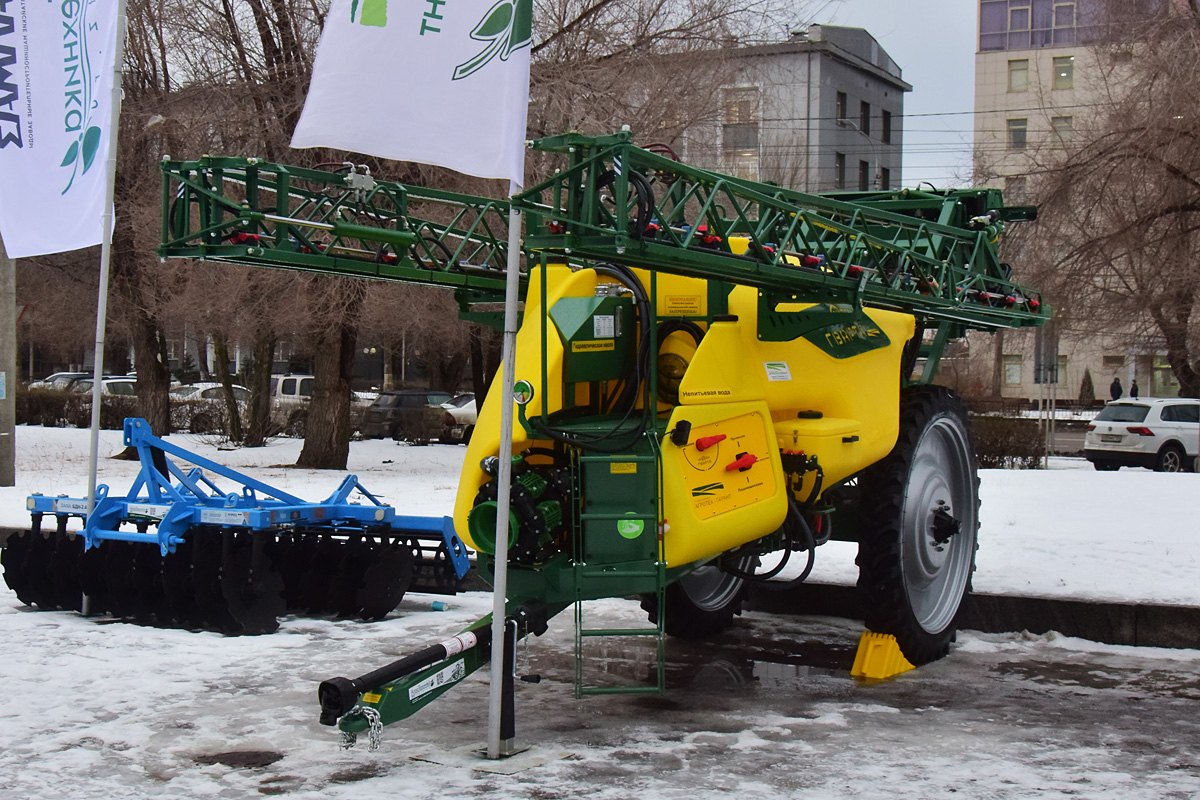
pixel 1141 624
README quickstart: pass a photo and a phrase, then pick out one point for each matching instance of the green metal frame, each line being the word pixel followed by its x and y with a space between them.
pixel 248 211
pixel 932 254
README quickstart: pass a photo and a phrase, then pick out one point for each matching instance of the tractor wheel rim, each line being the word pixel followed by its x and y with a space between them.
pixel 936 573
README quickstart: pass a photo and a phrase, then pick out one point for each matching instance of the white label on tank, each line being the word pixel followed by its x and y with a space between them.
pixel 219 516
pixel 777 371
pixel 443 677
pixel 604 326
pixel 69 506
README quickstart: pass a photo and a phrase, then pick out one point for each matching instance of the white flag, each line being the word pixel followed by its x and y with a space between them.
pixel 442 82
pixel 56 74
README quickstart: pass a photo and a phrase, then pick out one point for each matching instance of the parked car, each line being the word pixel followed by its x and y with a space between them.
pixel 290 396
pixel 59 381
pixel 459 421
pixel 411 415
pixel 124 387
pixel 200 407
pixel 1158 433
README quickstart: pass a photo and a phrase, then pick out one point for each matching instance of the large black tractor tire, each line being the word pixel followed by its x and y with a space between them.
pixel 920 521
pixel 702 603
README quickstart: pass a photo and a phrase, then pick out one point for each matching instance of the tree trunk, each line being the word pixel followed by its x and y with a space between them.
pixel 221 367
pixel 327 428
pixel 258 422
pixel 153 376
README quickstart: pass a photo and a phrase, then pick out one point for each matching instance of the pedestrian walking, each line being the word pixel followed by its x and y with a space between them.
pixel 1115 389
pixel 1133 389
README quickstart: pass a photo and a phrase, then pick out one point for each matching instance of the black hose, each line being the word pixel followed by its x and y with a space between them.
pixel 795 523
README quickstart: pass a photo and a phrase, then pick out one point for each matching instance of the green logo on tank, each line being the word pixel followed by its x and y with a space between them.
pixel 631 528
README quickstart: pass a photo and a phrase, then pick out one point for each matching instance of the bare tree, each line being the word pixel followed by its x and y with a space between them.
pixel 1119 236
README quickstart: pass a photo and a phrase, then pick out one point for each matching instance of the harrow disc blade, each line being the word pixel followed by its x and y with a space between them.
pixel 179 588
pixel 385 582
pixel 120 580
pixel 14 557
pixel 348 580
pixel 39 571
pixel 297 557
pixel 211 607
pixel 252 586
pixel 314 579
pixel 152 598
pixel 64 574
pixel 91 579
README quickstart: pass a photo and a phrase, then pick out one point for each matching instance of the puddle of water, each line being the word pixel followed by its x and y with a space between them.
pixel 240 758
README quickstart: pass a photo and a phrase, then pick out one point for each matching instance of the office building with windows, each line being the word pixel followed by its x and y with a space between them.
pixel 819 112
pixel 1042 67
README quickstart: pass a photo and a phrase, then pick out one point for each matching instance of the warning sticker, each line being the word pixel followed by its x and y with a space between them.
pixel 443 677
pixel 683 305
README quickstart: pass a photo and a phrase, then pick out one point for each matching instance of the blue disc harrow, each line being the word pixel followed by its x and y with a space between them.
pixel 176 550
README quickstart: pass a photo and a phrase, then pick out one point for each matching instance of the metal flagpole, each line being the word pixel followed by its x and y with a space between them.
pixel 499 745
pixel 106 225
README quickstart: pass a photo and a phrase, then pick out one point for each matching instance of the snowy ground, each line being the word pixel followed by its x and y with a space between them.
pixel 1067 532
pixel 101 709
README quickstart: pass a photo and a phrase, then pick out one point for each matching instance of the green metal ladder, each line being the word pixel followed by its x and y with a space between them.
pixel 608 580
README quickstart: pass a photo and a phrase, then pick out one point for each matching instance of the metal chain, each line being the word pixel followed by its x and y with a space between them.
pixel 374 730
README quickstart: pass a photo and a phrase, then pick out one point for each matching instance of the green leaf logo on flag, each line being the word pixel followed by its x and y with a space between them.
pixel 506 27
pixel 369 12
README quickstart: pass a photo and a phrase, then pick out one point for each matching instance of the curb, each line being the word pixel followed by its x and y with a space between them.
pixel 1137 624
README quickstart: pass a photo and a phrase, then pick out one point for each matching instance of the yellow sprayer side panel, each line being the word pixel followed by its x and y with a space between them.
pixel 710 504
pixel 485 441
pixel 861 392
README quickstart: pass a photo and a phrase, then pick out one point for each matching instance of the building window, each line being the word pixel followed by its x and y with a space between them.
pixel 1014 189
pixel 1018 75
pixel 1012 370
pixel 1063 129
pixel 1064 72
pixel 864 176
pixel 839 170
pixel 885 178
pixel 864 117
pixel 1018 134
pixel 885 126
pixel 739 134
pixel 1018 18
pixel 1064 23
pixel 840 110
pixel 1113 364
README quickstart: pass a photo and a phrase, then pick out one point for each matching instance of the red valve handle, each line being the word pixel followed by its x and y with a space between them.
pixel 744 462
pixel 705 442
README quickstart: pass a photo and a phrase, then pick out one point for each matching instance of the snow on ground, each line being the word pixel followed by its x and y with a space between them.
pixel 1067 532
pixel 105 710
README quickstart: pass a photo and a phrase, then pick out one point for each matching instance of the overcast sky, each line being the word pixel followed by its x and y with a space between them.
pixel 933 41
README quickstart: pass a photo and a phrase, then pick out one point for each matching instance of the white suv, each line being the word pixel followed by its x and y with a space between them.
pixel 1158 433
